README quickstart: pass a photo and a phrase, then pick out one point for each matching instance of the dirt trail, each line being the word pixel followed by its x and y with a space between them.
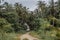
pixel 29 37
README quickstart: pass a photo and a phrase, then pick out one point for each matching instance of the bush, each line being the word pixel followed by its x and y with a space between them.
pixel 8 36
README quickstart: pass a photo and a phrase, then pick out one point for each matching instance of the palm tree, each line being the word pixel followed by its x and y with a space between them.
pixel 59 2
pixel 52 11
pixel 59 7
pixel 1 7
pixel 7 6
pixel 52 7
pixel 41 7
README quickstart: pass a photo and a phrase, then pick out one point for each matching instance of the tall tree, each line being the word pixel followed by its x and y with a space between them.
pixel 42 8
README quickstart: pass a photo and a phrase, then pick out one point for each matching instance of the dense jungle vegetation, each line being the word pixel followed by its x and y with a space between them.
pixel 43 21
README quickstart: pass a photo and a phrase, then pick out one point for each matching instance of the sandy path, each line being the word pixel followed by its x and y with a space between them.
pixel 29 37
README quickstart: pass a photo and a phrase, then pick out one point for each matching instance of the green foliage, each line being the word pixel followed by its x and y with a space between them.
pixel 8 36
pixel 4 25
pixel 44 24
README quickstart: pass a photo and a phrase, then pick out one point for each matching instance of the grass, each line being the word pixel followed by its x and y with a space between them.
pixel 34 34
pixel 9 36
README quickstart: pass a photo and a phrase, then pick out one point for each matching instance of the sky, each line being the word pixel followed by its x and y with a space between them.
pixel 31 4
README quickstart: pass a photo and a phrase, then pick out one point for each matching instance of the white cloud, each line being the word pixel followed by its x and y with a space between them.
pixel 32 4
